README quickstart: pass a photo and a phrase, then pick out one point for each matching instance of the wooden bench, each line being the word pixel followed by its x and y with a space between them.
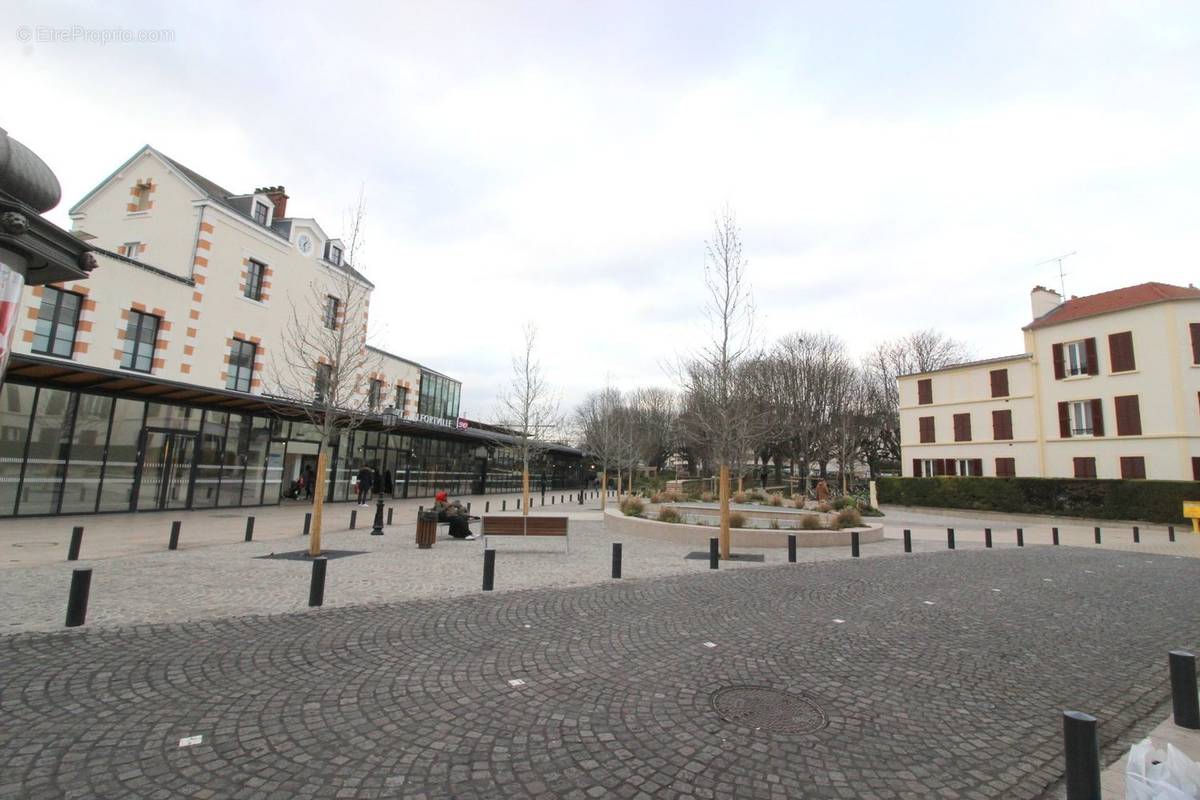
pixel 525 526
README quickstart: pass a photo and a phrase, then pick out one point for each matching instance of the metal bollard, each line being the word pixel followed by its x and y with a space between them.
pixel 489 569
pixel 518 504
pixel 854 544
pixel 173 544
pixel 987 537
pixel 1170 533
pixel 1137 535
pixel 76 543
pixel 377 524
pixel 316 586
pixel 949 538
pixel 487 506
pixel 390 510
pixel 791 548
pixel 468 506
pixel 307 523
pixel 1185 701
pixel 77 602
pixel 907 540
pixel 353 518
pixel 504 505
pixel 1054 535
pixel 551 500
pixel 616 558
pixel 249 537
pixel 714 553
pixel 1020 537
pixel 1097 529
pixel 1082 754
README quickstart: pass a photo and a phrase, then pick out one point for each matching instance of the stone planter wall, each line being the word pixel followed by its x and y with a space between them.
pixel 697 536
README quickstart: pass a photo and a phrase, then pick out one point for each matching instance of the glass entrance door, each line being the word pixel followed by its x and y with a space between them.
pixel 166 469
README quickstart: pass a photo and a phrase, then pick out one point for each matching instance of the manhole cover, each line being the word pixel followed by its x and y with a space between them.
pixel 768 710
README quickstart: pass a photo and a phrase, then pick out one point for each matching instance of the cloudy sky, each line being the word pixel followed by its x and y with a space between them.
pixel 893 165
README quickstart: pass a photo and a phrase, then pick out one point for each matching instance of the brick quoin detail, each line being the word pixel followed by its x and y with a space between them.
pixel 200 276
pixel 159 362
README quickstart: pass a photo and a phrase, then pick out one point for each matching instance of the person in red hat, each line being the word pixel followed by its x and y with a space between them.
pixel 453 513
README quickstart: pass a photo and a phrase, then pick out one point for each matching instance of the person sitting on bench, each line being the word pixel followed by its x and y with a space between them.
pixel 455 514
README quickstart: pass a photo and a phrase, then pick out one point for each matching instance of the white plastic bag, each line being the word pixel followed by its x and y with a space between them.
pixel 1152 774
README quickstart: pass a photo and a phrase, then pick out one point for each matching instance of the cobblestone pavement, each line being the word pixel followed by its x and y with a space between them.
pixel 934 675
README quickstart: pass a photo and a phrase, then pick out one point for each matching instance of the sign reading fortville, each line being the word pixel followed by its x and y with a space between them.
pixel 460 423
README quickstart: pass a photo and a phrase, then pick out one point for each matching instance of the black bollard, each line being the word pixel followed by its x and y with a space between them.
pixel 1184 699
pixel 173 544
pixel 249 537
pixel 489 569
pixel 1054 535
pixel 987 537
pixel 551 499
pixel 77 602
pixel 714 553
pixel 390 510
pixel 316 586
pixel 307 523
pixel 353 518
pixel 76 543
pixel 487 506
pixel 854 544
pixel 468 507
pixel 949 538
pixel 504 505
pixel 1170 533
pixel 616 556
pixel 377 525
pixel 1137 535
pixel 1020 537
pixel 791 548
pixel 1082 753
pixel 518 504
pixel 907 540
pixel 1097 534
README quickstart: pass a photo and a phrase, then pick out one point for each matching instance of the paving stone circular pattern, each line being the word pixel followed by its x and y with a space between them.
pixel 930 684
pixel 767 710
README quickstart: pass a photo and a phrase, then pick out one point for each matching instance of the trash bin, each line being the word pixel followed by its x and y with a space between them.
pixel 426 529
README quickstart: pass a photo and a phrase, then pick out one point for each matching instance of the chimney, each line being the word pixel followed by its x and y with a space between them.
pixel 1043 300
pixel 278 196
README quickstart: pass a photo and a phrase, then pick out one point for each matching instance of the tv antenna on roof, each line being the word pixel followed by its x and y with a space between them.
pixel 1062 283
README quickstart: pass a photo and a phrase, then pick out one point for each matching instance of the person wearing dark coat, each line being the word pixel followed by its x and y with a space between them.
pixel 455 514
pixel 365 480
pixel 310 480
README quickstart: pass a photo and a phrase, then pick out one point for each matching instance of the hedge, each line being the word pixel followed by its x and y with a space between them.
pixel 1150 501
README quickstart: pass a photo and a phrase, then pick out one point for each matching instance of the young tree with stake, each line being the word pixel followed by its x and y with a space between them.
pixel 529 409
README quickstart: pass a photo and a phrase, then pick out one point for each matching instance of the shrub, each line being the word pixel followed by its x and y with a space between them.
pixel 846 501
pixel 824 508
pixel 656 498
pixel 707 497
pixel 737 520
pixel 810 522
pixel 669 514
pixel 739 497
pixel 671 496
pixel 1148 501
pixel 775 500
pixel 632 506
pixel 848 518
pixel 798 501
pixel 755 495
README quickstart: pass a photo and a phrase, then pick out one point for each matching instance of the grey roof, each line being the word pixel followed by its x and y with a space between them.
pixel 417 364
pixel 978 363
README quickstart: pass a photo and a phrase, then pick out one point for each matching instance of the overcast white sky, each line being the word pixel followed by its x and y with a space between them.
pixel 893 165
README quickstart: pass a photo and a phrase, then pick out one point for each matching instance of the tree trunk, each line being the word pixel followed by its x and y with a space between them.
pixel 603 489
pixel 724 490
pixel 525 491
pixel 314 531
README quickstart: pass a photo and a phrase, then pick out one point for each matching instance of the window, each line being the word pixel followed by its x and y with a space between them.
pixel 141 196
pixel 373 394
pixel 335 254
pixel 260 212
pixel 1075 358
pixel 241 365
pixel 439 396
pixel 1120 352
pixel 1129 416
pixel 970 467
pixel 1085 467
pixel 254 280
pixel 58 319
pixel 926 429
pixel 131 249
pixel 999 382
pixel 962 427
pixel 1194 328
pixel 929 467
pixel 1006 468
pixel 332 304
pixel 1133 467
pixel 1080 418
pixel 324 378
pixel 401 399
pixel 141 334
pixel 1002 424
pixel 925 391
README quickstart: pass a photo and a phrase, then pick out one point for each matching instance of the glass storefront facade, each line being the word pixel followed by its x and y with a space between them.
pixel 439 396
pixel 77 452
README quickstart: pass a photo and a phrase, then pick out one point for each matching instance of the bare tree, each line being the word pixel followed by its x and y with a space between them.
pixel 325 365
pixel 529 409
pixel 596 419
pixel 655 416
pixel 716 379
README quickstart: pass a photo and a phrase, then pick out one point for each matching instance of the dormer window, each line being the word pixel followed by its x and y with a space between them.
pixel 260 212
pixel 335 254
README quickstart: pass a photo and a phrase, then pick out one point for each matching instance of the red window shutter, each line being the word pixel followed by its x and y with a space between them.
pixel 1085 467
pixel 1195 329
pixel 1097 418
pixel 962 427
pixel 1129 416
pixel 1195 468
pixel 927 430
pixel 1060 366
pixel 1133 467
pixel 1064 420
pixel 1006 467
pixel 1002 424
pixel 977 467
pixel 1120 352
pixel 916 467
pixel 949 466
pixel 925 391
pixel 1093 365
pixel 999 383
